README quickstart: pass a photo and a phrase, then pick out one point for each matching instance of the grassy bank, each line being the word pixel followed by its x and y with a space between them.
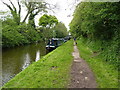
pixel 52 71
pixel 106 75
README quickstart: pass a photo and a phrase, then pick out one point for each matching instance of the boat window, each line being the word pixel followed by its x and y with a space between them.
pixel 51 42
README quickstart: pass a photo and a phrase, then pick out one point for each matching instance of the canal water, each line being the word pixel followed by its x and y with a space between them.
pixel 16 59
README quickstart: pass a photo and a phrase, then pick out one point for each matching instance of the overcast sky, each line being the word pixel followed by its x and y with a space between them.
pixel 63 12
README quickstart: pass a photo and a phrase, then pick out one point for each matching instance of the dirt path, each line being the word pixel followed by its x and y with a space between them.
pixel 81 74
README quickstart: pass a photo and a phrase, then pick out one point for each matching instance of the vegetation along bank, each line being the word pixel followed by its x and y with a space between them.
pixel 97 25
pixel 17 30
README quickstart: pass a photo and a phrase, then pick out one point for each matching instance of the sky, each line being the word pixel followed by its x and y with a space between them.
pixel 63 12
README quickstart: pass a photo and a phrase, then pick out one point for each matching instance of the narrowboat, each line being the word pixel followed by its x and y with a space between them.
pixel 53 43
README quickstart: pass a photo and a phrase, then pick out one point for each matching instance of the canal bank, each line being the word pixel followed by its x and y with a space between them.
pixel 51 71
pixel 16 59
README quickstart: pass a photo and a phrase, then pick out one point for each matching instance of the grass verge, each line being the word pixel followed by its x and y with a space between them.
pixel 52 71
pixel 106 75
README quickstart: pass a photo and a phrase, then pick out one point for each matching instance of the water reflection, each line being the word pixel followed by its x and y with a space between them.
pixel 26 61
pixel 37 56
pixel 14 60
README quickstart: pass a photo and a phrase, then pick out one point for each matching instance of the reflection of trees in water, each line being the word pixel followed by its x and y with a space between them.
pixel 26 61
pixel 37 55
pixel 16 59
pixel 33 53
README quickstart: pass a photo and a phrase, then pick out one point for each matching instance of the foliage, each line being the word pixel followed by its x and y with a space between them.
pixel 0 33
pixel 15 35
pixel 52 71
pixel 98 23
pixel 50 27
pixel 10 35
pixel 48 21
pixel 15 31
pixel 60 30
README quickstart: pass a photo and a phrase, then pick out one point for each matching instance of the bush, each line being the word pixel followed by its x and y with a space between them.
pixel 15 35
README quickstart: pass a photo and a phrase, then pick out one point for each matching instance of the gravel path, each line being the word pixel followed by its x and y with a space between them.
pixel 81 74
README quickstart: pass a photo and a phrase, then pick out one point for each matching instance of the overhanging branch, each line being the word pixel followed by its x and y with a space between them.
pixel 7 6
pixel 13 6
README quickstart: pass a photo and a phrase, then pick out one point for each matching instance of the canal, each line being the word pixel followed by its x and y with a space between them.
pixel 16 59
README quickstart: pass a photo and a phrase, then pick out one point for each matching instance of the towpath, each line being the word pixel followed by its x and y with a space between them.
pixel 81 74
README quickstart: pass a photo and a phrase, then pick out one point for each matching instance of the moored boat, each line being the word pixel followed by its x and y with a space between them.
pixel 53 43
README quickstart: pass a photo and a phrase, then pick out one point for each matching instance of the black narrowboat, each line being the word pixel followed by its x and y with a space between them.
pixel 53 43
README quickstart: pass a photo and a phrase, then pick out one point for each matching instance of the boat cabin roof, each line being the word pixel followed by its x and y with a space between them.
pixel 57 39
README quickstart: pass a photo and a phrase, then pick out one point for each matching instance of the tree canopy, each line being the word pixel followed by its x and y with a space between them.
pixel 33 8
pixel 48 21
pixel 51 27
pixel 60 30
pixel 97 20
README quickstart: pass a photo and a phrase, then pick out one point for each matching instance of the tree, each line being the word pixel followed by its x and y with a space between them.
pixel 61 30
pixel 99 23
pixel 14 12
pixel 52 27
pixel 95 20
pixel 48 21
pixel 33 8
